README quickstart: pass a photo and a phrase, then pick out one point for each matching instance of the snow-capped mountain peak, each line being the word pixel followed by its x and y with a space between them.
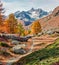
pixel 30 15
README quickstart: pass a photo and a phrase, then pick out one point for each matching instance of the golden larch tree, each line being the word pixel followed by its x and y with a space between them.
pixel 20 29
pixel 12 24
pixel 35 27
pixel 26 32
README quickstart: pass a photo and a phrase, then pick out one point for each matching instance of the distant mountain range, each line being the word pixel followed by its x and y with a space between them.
pixel 31 15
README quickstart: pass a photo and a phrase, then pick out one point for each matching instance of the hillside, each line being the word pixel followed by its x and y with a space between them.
pixel 50 22
pixel 46 56
pixel 13 50
pixel 51 25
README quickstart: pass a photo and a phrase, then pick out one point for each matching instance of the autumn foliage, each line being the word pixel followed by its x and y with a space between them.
pixel 26 32
pixel 20 29
pixel 12 24
pixel 35 27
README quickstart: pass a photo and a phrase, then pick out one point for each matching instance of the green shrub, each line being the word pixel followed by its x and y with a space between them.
pixel 4 44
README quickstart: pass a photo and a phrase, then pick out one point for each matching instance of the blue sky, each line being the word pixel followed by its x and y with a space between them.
pixel 12 6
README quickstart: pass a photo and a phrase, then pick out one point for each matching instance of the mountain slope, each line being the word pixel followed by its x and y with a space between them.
pixel 46 56
pixel 50 22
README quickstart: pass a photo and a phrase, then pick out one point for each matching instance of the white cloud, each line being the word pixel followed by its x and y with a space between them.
pixel 15 5
pixel 11 7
